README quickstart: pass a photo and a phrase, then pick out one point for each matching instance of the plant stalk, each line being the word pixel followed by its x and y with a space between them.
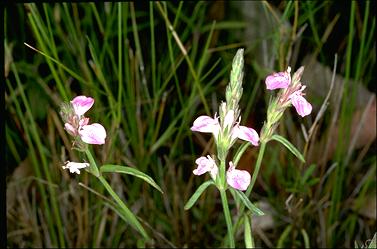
pixel 227 217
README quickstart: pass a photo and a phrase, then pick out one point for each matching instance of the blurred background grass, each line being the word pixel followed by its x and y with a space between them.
pixel 154 67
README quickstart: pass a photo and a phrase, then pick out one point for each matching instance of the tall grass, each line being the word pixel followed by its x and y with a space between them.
pixel 152 68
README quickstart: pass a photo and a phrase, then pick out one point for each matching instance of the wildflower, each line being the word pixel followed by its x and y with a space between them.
pixel 75 167
pixel 207 124
pixel 293 93
pixel 70 129
pixel 246 133
pixel 206 164
pixel 77 125
pixel 279 80
pixel 92 134
pixel 238 179
pixel 82 104
pixel 302 106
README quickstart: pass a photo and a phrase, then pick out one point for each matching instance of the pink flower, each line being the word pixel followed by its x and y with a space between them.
pixel 302 106
pixel 70 129
pixel 93 134
pixel 207 124
pixel 238 179
pixel 82 104
pixel 83 121
pixel 206 164
pixel 283 80
pixel 246 133
pixel 279 80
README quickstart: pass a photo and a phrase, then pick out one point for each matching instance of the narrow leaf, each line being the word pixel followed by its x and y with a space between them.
pixel 197 194
pixel 240 152
pixel 248 203
pixel 110 168
pixel 249 243
pixel 128 217
pixel 283 236
pixel 308 173
pixel 306 238
pixel 289 146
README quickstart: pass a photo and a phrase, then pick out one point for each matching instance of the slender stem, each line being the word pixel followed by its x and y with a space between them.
pixel 253 179
pixel 93 165
pixel 222 174
pixel 128 214
pixel 257 167
pixel 227 217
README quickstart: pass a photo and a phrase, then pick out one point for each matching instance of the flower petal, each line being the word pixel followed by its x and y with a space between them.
pixel 229 119
pixel 83 121
pixel 206 124
pixel 82 104
pixel 278 80
pixel 206 164
pixel 70 129
pixel 302 106
pixel 247 134
pixel 93 134
pixel 74 167
pixel 238 179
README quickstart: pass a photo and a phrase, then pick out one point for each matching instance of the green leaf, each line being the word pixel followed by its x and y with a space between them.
pixel 248 203
pixel 128 217
pixel 197 194
pixel 249 242
pixel 240 152
pixel 313 181
pixel 289 146
pixel 283 236
pixel 308 173
pixel 110 168
pixel 306 238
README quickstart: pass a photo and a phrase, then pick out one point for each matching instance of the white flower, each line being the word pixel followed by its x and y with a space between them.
pixel 75 167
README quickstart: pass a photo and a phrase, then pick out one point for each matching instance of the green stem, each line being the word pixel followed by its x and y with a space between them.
pixel 257 167
pixel 222 174
pixel 227 217
pixel 131 218
pixel 93 165
pixel 125 209
pixel 253 179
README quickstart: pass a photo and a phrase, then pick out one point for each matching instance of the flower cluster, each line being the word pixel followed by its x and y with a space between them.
pixel 293 90
pixel 291 93
pixel 238 179
pixel 77 125
pixel 226 129
pixel 211 125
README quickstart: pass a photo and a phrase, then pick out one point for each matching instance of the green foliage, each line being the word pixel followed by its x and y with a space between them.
pixel 152 68
pixel 198 193
pixel 109 168
pixel 289 146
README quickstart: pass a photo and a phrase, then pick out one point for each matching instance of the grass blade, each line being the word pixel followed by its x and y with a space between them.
pixel 248 203
pixel 110 168
pixel 289 146
pixel 249 242
pixel 197 194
